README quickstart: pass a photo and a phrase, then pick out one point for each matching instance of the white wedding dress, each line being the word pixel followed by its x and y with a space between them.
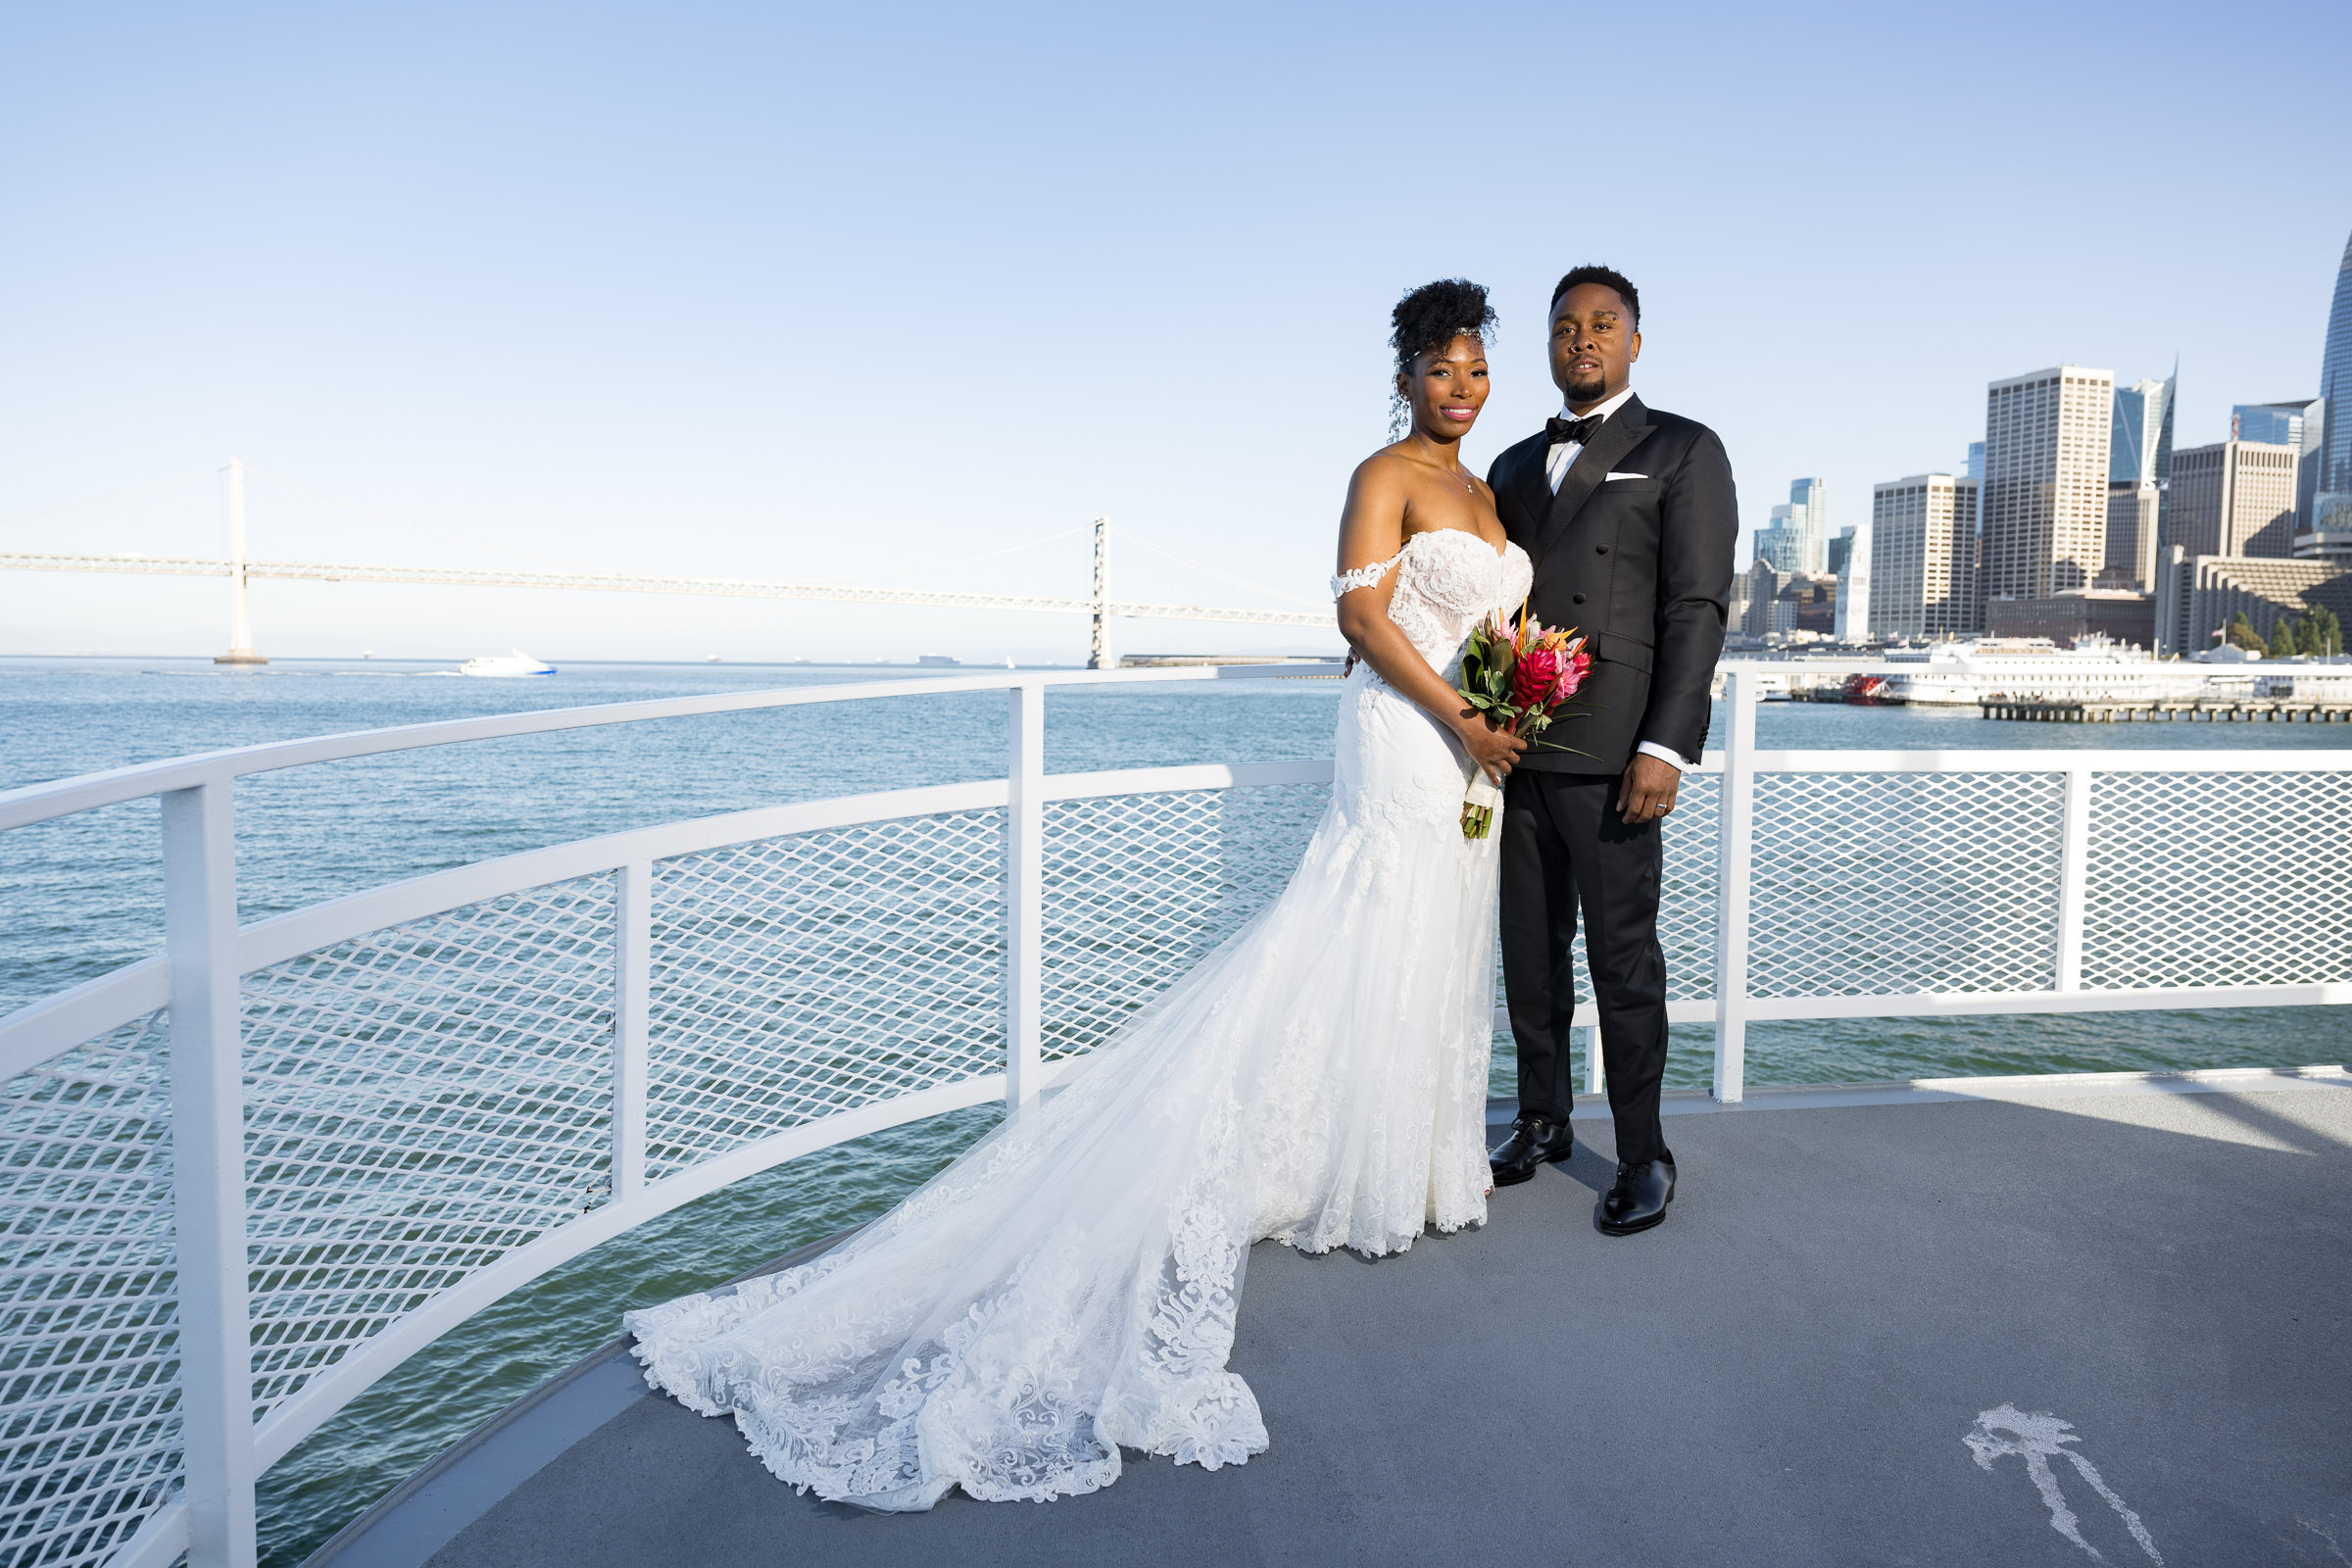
pixel 1068 1287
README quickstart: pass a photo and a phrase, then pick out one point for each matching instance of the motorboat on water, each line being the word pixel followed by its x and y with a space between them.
pixel 505 666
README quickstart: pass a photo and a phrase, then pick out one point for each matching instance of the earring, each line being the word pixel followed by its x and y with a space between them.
pixel 1397 418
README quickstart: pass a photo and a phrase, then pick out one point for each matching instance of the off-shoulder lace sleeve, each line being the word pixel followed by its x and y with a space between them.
pixel 1346 582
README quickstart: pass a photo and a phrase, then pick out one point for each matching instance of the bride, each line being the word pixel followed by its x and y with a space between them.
pixel 1067 1288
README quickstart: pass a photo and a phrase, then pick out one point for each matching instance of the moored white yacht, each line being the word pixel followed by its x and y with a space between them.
pixel 1962 674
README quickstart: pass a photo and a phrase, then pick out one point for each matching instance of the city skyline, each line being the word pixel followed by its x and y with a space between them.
pixel 2183 532
pixel 722 291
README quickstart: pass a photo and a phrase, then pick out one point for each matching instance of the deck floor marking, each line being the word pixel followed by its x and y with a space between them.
pixel 2038 1438
pixel 2325 1536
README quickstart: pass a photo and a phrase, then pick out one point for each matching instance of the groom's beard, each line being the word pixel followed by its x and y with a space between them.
pixel 1591 391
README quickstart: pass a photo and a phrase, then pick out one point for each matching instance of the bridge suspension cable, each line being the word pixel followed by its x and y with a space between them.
pixel 240 568
pixel 636 582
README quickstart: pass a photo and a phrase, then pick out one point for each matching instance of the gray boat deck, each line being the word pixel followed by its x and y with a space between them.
pixel 1784 1373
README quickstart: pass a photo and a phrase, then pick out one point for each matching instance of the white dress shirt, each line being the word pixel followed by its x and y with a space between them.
pixel 1556 463
pixel 1563 453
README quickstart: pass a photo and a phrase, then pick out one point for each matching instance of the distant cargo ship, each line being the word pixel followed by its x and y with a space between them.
pixel 936 659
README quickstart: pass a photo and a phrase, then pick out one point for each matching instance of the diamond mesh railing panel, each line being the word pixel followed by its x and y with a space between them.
pixel 1869 884
pixel 424 1100
pixel 1138 887
pixel 419 1103
pixel 2217 879
pixel 1686 900
pixel 800 977
pixel 89 1352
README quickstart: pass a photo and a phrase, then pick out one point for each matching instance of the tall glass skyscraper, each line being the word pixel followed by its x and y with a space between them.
pixel 1809 498
pixel 1783 540
pixel 2163 432
pixel 2141 422
pixel 2332 508
pixel 2279 425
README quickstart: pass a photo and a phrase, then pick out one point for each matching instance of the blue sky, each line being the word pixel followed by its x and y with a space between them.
pixel 780 291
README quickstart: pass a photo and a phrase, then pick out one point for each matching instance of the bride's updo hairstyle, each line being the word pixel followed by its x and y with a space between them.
pixel 1430 317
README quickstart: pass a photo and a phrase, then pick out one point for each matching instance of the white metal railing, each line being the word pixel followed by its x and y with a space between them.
pixel 249 1177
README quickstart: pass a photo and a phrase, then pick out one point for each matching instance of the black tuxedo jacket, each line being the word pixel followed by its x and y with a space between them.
pixel 1641 566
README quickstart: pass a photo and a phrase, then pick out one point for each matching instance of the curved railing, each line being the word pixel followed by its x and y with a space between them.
pixel 248 1178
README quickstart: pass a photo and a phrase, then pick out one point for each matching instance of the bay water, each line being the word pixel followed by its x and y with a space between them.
pixel 83 896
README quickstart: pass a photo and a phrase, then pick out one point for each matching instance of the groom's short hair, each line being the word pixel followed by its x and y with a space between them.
pixel 1609 277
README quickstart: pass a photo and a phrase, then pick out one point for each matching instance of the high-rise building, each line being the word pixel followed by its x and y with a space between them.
pixel 2140 451
pixel 2047 436
pixel 2234 498
pixel 1853 584
pixel 2135 499
pixel 2139 425
pixel 1783 540
pixel 1976 460
pixel 2164 439
pixel 2279 425
pixel 2132 510
pixel 2295 422
pixel 2331 498
pixel 1755 591
pixel 1806 606
pixel 1813 497
pixel 1922 557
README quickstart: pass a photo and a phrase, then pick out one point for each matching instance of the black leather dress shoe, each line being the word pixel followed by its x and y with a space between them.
pixel 1639 1200
pixel 1534 1141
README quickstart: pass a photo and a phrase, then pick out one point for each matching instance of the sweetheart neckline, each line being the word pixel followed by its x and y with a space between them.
pixel 1508 544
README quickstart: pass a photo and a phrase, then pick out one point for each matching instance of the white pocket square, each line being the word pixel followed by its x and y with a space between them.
pixel 1606 478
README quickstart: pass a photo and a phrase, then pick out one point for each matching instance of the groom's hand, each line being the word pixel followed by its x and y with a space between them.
pixel 1647 790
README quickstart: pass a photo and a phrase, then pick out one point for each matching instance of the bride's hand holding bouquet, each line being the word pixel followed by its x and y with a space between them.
pixel 1520 678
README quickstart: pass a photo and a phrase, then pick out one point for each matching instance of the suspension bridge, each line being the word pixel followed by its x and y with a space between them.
pixel 240 568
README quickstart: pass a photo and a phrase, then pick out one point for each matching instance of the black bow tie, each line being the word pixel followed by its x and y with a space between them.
pixel 1579 431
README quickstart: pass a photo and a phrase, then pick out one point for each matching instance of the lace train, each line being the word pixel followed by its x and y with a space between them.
pixel 1068 1286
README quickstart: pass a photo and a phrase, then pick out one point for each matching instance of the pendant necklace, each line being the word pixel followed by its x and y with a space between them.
pixel 1455 471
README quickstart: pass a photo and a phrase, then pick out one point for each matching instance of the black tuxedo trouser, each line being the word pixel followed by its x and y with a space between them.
pixel 1563 846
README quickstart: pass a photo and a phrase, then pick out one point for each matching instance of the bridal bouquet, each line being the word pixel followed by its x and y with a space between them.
pixel 1520 677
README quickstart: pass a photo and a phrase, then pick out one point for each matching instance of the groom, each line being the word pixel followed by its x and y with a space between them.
pixel 1629 516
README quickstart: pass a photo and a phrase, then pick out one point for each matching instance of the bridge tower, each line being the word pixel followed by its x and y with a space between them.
pixel 1098 657
pixel 240 617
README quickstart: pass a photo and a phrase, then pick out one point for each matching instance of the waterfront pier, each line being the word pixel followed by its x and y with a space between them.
pixel 2127 711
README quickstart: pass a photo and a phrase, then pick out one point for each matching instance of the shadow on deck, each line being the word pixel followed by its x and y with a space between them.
pixel 1784 1373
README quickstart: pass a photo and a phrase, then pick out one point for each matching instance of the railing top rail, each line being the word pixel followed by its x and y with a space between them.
pixel 1915 664
pixel 37 802
pixel 1988 759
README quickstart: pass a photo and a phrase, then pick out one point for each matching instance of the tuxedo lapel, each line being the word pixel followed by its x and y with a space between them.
pixel 1529 489
pixel 1619 436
